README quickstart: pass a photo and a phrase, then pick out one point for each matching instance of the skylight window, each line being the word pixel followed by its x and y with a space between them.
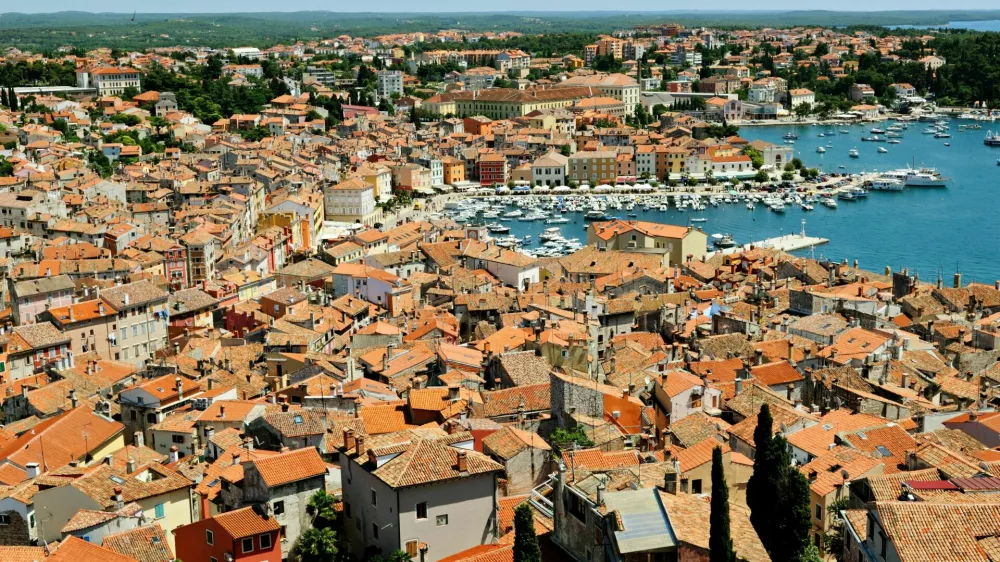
pixel 117 480
pixel 883 451
pixel 297 419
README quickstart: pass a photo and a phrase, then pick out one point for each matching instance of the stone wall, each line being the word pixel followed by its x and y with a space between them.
pixel 16 533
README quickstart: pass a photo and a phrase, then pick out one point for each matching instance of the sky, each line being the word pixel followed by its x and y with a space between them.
pixel 217 6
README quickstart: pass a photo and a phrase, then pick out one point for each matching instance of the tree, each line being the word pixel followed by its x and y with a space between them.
pixel 834 539
pixel 566 150
pixel 12 99
pixel 761 176
pixel 803 109
pixel 3 98
pixel 563 439
pixel 720 543
pixel 317 545
pixel 761 489
pixel 756 158
pixel 526 547
pixel 792 535
pixel 321 509
pixel 6 168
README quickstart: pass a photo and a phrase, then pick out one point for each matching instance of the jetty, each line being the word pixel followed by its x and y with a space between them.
pixel 784 243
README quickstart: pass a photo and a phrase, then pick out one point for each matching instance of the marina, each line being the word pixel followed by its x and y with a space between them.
pixel 872 208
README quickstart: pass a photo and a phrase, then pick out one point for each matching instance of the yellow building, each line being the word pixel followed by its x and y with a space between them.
pixel 506 103
pixel 678 243
pixel 592 167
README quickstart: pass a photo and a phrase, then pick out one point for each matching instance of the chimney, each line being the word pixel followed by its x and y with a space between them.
pixel 463 461
pixel 72 398
pixel 600 494
pixel 958 280
pixel 180 388
pixel 284 406
pixel 236 458
pixel 32 469
pixel 359 448
pixel 71 319
pixel 130 465
pixel 758 355
pixel 209 432
pixel 139 439
pixel 349 441
pixel 119 499
pixel 177 348
pixel 174 455
pixel 453 393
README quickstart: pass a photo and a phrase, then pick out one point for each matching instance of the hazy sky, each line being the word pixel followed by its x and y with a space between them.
pixel 466 5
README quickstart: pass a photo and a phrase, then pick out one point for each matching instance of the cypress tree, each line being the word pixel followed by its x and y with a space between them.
pixel 3 97
pixel 526 547
pixel 720 543
pixel 792 536
pixel 760 497
pixel 12 99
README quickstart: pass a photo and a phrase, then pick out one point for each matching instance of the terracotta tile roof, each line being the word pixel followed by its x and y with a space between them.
pixel 386 418
pixel 30 553
pixel 507 402
pixel 145 544
pixel 297 423
pixel 696 427
pixel 290 467
pixel 88 518
pixel 948 533
pixel 74 550
pixel 246 522
pixel 425 461
pixel 676 382
pixel 889 443
pixel 689 519
pixel 817 439
pixel 101 481
pixel 824 472
pixel 597 460
pixel 779 372
pixel 510 441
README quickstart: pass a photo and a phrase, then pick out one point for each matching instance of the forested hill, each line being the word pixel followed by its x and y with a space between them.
pixel 88 30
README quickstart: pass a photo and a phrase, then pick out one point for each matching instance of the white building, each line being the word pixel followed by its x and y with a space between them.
pixel 799 96
pixel 549 169
pixel 350 201
pixel 761 93
pixel 390 82
pixel 109 80
pixel 623 88
pixel 251 53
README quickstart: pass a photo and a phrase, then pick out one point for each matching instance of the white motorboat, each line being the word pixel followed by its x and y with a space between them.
pixel 886 184
pixel 820 149
pixel 925 177
pixel 853 153
pixel 882 150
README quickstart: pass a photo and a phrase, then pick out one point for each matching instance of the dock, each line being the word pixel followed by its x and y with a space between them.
pixel 786 243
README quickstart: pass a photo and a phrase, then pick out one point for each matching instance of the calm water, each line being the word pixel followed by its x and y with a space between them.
pixel 923 229
pixel 983 25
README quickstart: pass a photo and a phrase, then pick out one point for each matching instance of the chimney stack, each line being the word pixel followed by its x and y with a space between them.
pixel 72 398
pixel 359 449
pixel 130 465
pixel 180 388
pixel 349 441
pixel 463 461
pixel 174 455
pixel 958 280
pixel 119 499
pixel 139 439
pixel 32 469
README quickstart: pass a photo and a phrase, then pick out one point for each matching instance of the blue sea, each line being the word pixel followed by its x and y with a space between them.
pixel 983 25
pixel 928 230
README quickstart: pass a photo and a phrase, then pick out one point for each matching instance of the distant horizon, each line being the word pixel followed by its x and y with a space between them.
pixel 460 7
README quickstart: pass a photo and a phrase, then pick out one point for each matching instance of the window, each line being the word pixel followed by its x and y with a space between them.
pixel 265 541
pixel 375 530
pixel 374 499
pixel 177 438
pixel 442 520
pixel 278 507
pixel 347 510
pixel 159 511
pixel 411 549
pixel 4 519
pixel 209 537
pixel 696 486
pixel 819 512
pixel 422 510
pixel 247 545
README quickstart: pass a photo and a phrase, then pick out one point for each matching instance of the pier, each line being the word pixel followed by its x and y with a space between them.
pixel 784 243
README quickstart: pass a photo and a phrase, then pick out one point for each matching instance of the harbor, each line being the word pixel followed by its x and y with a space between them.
pixel 866 209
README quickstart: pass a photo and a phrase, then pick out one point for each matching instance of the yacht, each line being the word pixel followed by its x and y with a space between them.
pixel 550 233
pixel 853 153
pixel 806 207
pixel 893 141
pixel 942 135
pixel 877 131
pixel 777 207
pixel 828 202
pixel 790 136
pixel 750 204
pixel 820 149
pixel 925 177
pixel 498 228
pixel 595 215
pixel 882 150
pixel 886 184
pixel 557 220
pixel 992 139
pixel 723 241
pixel 846 196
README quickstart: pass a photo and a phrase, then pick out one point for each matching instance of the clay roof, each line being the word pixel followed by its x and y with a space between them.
pixel 290 467
pixel 145 544
pixel 246 522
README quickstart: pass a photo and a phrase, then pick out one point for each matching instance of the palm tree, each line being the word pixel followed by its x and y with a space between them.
pixel 317 545
pixel 320 507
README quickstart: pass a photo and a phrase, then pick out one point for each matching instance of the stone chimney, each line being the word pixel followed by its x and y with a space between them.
pixel 453 392
pixel 359 449
pixel 32 469
pixel 174 455
pixel 139 439
pixel 349 441
pixel 130 465
pixel 180 388
pixel 72 398
pixel 236 458
pixel 758 357
pixel 209 432
pixel 958 280
pixel 119 499
pixel 463 461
